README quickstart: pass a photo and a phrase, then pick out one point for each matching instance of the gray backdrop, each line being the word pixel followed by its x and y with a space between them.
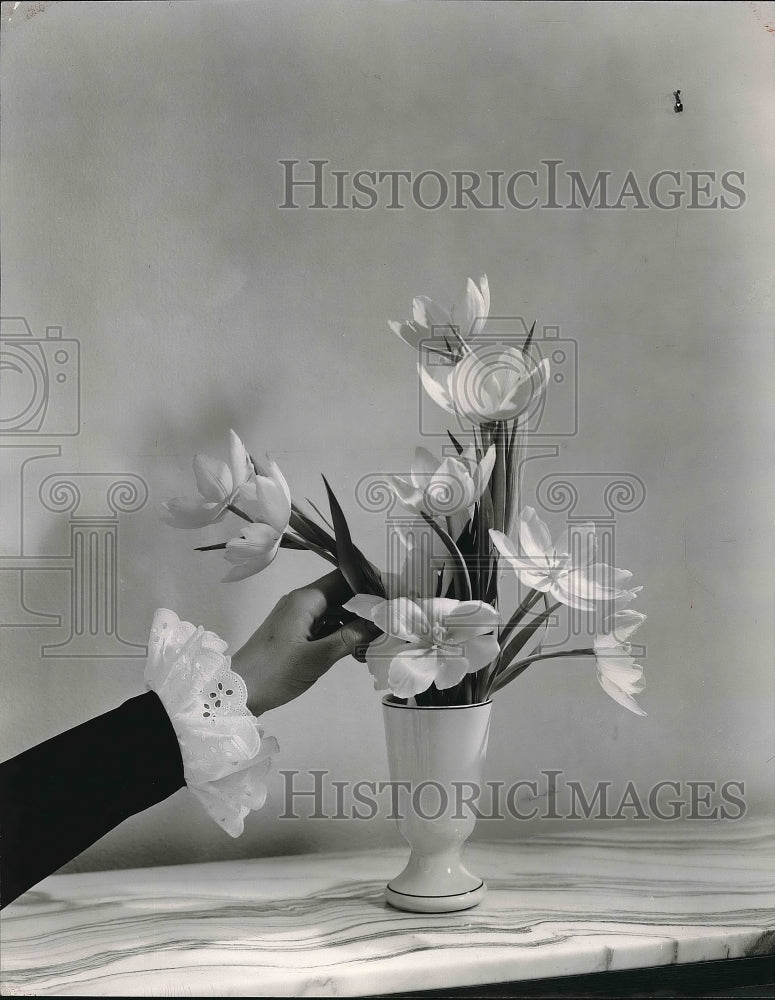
pixel 141 186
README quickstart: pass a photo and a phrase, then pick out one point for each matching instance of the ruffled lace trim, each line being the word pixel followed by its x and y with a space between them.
pixel 225 753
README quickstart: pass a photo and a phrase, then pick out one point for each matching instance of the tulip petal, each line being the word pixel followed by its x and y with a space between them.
pixel 265 501
pixel 364 605
pixel 466 619
pixel 388 647
pixel 381 653
pixel 437 608
pixel 484 471
pixel 504 544
pixel 470 385
pixel 402 618
pixel 569 594
pixel 272 471
pixel 251 555
pixel 379 668
pixel 628 596
pixel 623 671
pixel 241 466
pixel 516 401
pixel 450 490
pixel 534 535
pixel 409 496
pixel 624 624
pixel 246 569
pixel 484 287
pixel 584 538
pixel 621 577
pixel 594 582
pixel 412 671
pixel 619 696
pixel 192 512
pixel 481 651
pixel 535 579
pixel 417 578
pixel 475 308
pixel 432 316
pixel 533 573
pixel 213 478
pixel 451 671
pixel 477 305
pixel 523 392
pixel 539 377
pixel 256 541
pixel 435 390
pixel 409 332
pixel 423 467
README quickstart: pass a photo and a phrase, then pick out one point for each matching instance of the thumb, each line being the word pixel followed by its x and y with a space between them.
pixel 351 639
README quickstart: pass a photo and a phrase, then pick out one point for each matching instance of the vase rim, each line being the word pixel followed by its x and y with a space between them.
pixel 389 703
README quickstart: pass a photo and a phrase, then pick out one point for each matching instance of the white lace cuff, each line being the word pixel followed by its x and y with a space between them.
pixel 225 754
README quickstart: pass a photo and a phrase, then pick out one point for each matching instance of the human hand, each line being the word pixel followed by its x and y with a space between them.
pixel 283 658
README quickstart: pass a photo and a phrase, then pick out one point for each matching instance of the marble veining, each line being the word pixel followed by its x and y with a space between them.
pixel 317 925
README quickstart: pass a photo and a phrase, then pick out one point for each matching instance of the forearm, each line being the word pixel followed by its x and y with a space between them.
pixel 61 796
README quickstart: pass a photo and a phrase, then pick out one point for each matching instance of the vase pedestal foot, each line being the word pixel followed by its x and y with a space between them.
pixel 435 883
pixel 436 904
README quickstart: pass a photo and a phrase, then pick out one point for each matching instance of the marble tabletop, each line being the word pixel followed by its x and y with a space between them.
pixel 317 925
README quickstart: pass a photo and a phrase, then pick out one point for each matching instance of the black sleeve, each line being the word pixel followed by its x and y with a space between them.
pixel 61 796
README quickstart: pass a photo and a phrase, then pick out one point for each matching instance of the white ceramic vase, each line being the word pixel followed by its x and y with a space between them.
pixel 440 753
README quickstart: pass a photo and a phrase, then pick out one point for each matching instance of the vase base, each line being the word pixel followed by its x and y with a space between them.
pixel 436 904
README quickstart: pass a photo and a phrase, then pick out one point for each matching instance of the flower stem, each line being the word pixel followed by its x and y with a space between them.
pixel 517 668
pixel 240 513
pixel 463 580
pixel 531 598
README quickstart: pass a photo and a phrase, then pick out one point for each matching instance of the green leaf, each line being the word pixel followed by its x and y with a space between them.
pixel 322 516
pixel 291 542
pixel 310 531
pixel 456 443
pixel 466 541
pixel 530 599
pixel 498 478
pixel 525 634
pixel 463 581
pixel 355 568
pixel 513 458
pixel 488 575
pixel 529 340
pixel 240 513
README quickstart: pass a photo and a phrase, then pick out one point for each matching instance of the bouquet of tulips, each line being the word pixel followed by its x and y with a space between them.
pixel 445 638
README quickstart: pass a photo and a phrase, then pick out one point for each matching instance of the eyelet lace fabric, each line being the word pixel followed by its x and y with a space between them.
pixel 225 753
